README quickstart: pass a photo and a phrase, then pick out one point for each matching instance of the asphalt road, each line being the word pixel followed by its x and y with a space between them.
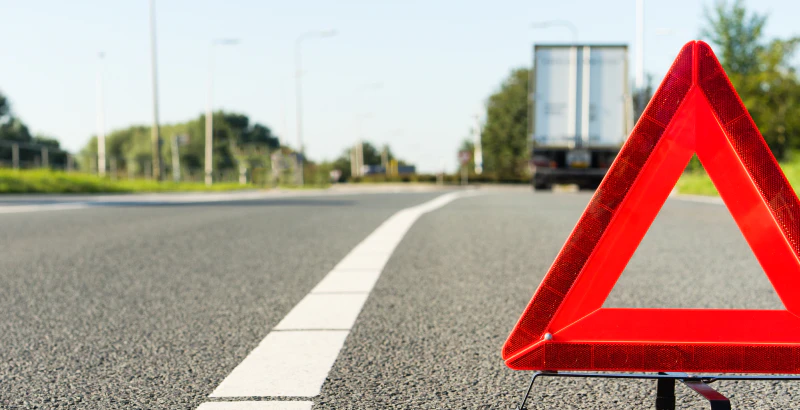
pixel 153 305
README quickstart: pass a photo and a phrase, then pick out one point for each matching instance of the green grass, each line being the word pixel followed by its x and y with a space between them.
pixel 698 182
pixel 44 181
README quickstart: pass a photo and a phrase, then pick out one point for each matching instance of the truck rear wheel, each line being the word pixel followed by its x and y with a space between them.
pixel 539 184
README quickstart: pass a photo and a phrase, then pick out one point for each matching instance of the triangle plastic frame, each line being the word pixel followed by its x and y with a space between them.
pixel 564 327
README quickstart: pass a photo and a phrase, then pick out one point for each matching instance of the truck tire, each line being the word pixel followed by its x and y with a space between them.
pixel 541 185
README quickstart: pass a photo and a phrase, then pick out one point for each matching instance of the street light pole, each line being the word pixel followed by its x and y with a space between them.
pixel 477 147
pixel 101 132
pixel 154 134
pixel 299 92
pixel 209 157
pixel 640 51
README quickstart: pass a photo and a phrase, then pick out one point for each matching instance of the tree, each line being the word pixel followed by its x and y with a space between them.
pixel 504 139
pixel 11 127
pixel 760 70
pixel 236 142
pixel 5 108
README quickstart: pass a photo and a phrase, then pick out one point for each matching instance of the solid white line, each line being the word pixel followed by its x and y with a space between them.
pixel 291 363
pixel 324 312
pixel 348 281
pixel 363 260
pixel 295 358
pixel 257 405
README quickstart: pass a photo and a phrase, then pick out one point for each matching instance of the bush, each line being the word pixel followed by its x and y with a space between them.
pixel 46 181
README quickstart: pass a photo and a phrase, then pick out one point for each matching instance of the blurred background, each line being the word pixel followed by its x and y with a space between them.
pixel 249 93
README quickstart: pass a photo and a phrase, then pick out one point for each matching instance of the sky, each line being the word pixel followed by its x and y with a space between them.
pixel 409 73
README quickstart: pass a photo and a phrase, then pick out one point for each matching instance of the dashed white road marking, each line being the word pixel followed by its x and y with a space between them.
pixel 257 405
pixel 295 358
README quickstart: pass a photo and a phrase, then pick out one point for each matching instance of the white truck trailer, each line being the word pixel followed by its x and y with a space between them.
pixel 580 111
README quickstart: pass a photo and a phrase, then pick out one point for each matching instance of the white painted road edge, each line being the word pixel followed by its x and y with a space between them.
pixel 60 202
pixel 294 359
pixel 15 209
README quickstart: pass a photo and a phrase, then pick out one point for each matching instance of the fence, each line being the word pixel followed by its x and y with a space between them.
pixel 22 155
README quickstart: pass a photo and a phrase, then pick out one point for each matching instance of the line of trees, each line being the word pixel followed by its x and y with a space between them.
pixel 759 68
pixel 237 142
pixel 14 131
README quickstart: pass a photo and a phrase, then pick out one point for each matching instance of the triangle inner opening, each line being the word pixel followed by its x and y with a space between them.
pixel 694 256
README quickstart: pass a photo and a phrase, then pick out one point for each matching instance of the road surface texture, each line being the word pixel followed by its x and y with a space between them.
pixel 152 305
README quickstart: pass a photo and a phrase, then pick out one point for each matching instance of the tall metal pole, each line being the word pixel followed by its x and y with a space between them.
pixel 15 155
pixel 209 158
pixel 154 135
pixel 640 52
pixel 299 101
pixel 299 93
pixel 176 160
pixel 209 164
pixel 101 129
pixel 478 155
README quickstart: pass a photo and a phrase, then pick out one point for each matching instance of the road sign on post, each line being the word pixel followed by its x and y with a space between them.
pixel 463 158
pixel 695 111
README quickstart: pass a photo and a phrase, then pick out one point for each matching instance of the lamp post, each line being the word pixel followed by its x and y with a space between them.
pixel 477 147
pixel 299 90
pixel 209 159
pixel 154 134
pixel 101 132
pixel 640 50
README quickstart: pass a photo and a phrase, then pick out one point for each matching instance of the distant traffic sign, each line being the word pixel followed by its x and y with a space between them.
pixel 565 327
pixel 464 157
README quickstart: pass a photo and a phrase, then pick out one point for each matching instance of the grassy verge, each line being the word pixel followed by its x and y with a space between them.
pixel 698 182
pixel 43 181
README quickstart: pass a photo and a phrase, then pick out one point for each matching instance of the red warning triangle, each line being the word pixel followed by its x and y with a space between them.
pixel 564 327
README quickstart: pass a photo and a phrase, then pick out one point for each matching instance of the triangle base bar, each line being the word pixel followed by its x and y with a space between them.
pixel 665 387
pixel 670 357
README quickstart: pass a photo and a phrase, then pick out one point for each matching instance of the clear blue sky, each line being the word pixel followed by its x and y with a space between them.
pixel 437 61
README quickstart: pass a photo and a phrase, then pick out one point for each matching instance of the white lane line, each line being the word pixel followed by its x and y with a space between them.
pixel 324 312
pixel 347 281
pixel 295 358
pixel 290 363
pixel 257 405
pixel 13 209
pixel 364 261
